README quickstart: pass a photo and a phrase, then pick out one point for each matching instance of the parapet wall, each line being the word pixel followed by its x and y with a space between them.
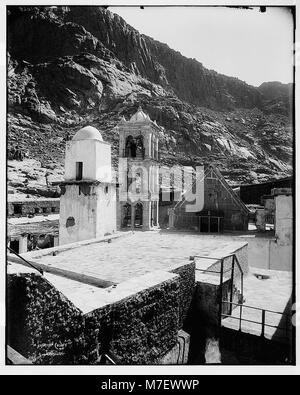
pixel 186 289
pixel 47 328
pixel 144 327
pixel 42 325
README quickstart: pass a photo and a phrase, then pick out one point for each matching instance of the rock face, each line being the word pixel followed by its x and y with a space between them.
pixel 73 66
pixel 278 97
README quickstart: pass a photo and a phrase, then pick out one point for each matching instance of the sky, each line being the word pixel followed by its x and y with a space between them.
pixel 252 46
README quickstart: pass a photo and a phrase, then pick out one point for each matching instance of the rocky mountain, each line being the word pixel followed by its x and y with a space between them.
pixel 73 66
pixel 277 97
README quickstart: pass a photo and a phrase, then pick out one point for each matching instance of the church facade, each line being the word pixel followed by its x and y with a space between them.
pixel 138 194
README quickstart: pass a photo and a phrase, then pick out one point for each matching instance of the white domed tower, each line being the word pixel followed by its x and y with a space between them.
pixel 138 173
pixel 88 195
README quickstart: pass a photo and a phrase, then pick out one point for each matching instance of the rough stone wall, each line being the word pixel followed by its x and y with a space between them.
pixel 36 207
pixel 186 289
pixel 47 328
pixel 179 353
pixel 42 325
pixel 143 328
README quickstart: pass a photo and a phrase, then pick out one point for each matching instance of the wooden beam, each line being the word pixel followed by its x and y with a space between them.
pixel 76 276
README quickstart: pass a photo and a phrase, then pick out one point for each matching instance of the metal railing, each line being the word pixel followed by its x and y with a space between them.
pixel 264 312
pixel 262 322
pixel 234 263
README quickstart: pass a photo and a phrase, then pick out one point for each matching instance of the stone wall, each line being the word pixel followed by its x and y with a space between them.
pixel 186 289
pixel 207 300
pixel 47 328
pixel 179 353
pixel 143 327
pixel 42 325
pixel 36 207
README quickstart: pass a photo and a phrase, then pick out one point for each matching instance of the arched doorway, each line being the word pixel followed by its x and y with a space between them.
pixel 126 215
pixel 138 216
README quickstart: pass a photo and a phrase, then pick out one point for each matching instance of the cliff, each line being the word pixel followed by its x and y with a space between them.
pixel 73 66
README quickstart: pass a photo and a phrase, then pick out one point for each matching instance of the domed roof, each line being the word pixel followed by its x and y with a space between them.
pixel 140 116
pixel 88 133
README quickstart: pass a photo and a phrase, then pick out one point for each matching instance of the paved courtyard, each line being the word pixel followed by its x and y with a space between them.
pixel 139 253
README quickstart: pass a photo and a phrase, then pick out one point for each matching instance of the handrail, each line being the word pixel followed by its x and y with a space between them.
pixel 210 257
pixel 212 271
pixel 255 322
pixel 255 308
pixel 222 272
pixel 263 315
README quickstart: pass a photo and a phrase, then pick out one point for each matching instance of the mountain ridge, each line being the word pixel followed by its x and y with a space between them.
pixel 73 66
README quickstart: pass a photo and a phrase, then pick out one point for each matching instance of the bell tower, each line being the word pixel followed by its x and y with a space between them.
pixel 138 173
pixel 88 195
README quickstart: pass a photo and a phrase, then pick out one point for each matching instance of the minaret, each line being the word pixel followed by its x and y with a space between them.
pixel 88 195
pixel 138 198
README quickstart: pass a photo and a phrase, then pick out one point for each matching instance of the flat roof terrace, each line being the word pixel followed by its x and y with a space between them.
pixel 268 290
pixel 135 254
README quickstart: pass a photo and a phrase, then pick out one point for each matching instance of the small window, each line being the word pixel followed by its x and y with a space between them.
pixel 44 210
pixel 79 167
pixel 70 222
pixel 36 210
pixel 106 189
pixel 17 209
pixel 53 209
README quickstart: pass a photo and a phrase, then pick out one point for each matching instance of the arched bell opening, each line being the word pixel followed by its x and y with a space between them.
pixel 130 147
